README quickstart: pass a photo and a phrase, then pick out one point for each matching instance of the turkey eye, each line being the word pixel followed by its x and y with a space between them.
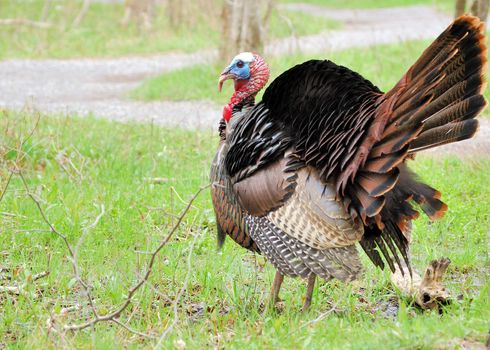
pixel 240 64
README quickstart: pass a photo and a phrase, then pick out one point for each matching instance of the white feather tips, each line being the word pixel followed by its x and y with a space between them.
pixel 246 57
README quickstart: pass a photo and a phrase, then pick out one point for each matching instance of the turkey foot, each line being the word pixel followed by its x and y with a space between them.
pixel 429 291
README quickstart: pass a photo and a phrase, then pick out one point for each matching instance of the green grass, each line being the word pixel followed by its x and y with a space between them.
pixel 113 162
pixel 101 32
pixel 384 65
pixel 446 5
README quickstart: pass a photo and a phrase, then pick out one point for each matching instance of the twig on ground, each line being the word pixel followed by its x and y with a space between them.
pixel 12 215
pixel 40 275
pixel 32 230
pixel 45 11
pixel 32 130
pixel 178 296
pixel 10 289
pixel 88 228
pixel 177 194
pixel 73 254
pixel 156 180
pixel 115 314
pixel 131 330
pixel 318 319
pixel 67 310
pixel 19 289
pixel 71 251
pixel 6 185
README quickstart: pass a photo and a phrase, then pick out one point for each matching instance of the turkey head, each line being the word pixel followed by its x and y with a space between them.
pixel 250 73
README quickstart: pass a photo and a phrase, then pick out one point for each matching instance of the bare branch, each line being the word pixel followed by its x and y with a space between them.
pixel 6 185
pixel 88 228
pixel 72 252
pixel 115 314
pixel 319 318
pixel 19 289
pixel 82 13
pixel 20 153
pixel 178 296
pixel 45 11
pixel 129 329
pixel 12 215
pixel 33 230
pixel 156 180
pixel 10 289
pixel 40 275
pixel 41 211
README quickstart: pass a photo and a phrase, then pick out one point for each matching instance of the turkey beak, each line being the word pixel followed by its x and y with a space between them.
pixel 225 75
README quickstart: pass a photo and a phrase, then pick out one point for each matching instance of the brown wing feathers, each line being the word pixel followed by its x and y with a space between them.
pixel 435 103
pixel 230 218
pixel 266 189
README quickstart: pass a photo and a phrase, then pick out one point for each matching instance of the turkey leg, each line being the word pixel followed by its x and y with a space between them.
pixel 429 291
pixel 276 286
pixel 309 292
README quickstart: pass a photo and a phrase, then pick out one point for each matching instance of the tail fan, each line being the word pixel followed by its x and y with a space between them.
pixel 435 103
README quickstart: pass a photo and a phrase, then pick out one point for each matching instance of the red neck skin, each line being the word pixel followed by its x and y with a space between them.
pixel 244 89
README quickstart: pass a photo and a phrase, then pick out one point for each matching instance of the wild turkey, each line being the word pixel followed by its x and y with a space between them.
pixel 319 164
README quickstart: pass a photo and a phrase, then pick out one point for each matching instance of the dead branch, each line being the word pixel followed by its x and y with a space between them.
pixel 12 215
pixel 33 230
pixel 10 289
pixel 6 185
pixel 39 275
pixel 19 289
pixel 43 215
pixel 20 153
pixel 45 11
pixel 88 228
pixel 82 13
pixel 72 252
pixel 178 296
pixel 156 180
pixel 115 314
pixel 319 318
pixel 131 330
pixel 24 22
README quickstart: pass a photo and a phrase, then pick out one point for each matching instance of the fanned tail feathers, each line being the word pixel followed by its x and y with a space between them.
pixel 443 89
pixel 435 103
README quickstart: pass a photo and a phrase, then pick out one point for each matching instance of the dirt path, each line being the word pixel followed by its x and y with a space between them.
pixel 100 86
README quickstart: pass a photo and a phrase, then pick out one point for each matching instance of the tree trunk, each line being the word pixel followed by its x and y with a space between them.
pixel 244 26
pixel 45 11
pixel 460 8
pixel 480 9
pixel 82 13
pixel 142 11
pixel 175 12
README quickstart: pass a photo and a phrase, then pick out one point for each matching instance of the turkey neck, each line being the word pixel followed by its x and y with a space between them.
pixel 239 111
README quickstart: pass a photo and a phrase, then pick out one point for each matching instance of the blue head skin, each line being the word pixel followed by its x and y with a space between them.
pixel 238 69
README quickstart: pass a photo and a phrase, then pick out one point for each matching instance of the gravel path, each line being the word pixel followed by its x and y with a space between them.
pixel 100 86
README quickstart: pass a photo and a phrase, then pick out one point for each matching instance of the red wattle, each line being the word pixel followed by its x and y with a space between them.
pixel 227 110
